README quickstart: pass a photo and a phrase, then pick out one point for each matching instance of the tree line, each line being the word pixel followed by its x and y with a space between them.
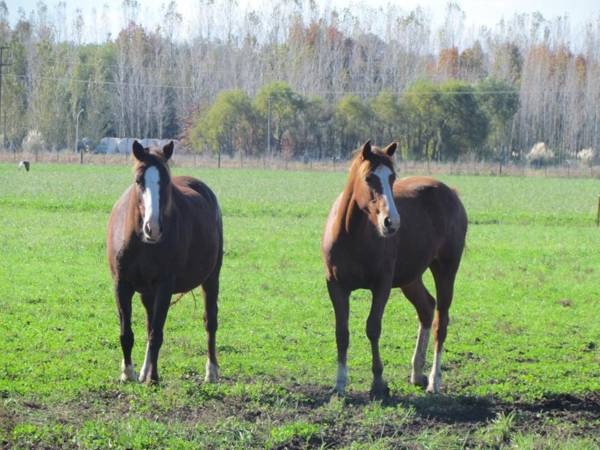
pixel 316 80
pixel 446 121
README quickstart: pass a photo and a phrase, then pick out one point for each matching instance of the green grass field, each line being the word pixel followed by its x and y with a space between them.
pixel 522 366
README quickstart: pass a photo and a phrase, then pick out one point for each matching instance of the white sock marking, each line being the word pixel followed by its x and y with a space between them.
pixel 341 378
pixel 418 360
pixel 145 372
pixel 212 372
pixel 128 372
pixel 435 377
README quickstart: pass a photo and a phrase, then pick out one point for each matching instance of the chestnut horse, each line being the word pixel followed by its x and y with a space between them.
pixel 382 233
pixel 165 236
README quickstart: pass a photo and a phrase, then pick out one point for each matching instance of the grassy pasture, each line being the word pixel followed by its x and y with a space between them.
pixel 522 366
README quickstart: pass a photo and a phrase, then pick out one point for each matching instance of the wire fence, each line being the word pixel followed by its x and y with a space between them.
pixel 203 161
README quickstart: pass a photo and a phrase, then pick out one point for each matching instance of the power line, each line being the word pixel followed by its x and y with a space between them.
pixel 106 83
pixel 185 87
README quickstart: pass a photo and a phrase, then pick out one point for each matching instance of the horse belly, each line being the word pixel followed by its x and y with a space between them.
pixel 412 261
pixel 196 269
pixel 405 276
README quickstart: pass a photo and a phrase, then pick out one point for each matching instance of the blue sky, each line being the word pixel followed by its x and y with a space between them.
pixel 478 12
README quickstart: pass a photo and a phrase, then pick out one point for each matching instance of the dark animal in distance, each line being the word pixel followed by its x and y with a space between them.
pixel 165 236
pixel 24 165
pixel 383 233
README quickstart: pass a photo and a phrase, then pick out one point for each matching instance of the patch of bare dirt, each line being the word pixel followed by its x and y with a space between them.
pixel 309 403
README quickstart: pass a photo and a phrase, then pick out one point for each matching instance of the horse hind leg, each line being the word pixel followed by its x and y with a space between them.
pixel 444 276
pixel 210 289
pixel 123 295
pixel 424 303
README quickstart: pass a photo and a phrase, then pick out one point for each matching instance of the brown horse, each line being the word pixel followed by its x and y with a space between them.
pixel 165 236
pixel 382 233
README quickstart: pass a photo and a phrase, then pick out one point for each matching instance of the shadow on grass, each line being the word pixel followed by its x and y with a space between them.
pixel 272 402
pixel 457 409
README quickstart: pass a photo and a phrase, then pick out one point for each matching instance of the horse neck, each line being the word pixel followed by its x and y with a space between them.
pixel 170 206
pixel 132 226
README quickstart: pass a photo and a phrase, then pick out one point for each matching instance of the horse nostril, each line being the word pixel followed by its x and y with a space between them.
pixel 387 222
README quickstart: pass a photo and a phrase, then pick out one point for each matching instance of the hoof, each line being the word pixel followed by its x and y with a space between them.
pixel 434 386
pixel 379 391
pixel 127 374
pixel 146 378
pixel 212 373
pixel 337 392
pixel 148 381
pixel 420 380
pixel 432 390
pixel 125 378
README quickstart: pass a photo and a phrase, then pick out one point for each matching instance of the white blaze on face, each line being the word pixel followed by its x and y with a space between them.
pixel 150 197
pixel 389 211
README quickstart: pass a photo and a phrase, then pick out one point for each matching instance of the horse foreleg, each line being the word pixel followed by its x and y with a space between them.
pixel 340 300
pixel 162 300
pixel 124 294
pixel 211 310
pixel 380 297
pixel 424 303
pixel 148 302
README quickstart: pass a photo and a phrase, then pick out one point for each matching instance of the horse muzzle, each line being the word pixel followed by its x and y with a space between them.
pixel 151 233
pixel 389 225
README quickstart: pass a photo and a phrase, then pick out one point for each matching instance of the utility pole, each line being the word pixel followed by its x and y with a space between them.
pixel 77 137
pixel 269 128
pixel 4 50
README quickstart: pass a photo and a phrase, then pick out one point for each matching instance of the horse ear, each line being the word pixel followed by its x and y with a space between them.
pixel 366 150
pixel 390 149
pixel 168 150
pixel 139 151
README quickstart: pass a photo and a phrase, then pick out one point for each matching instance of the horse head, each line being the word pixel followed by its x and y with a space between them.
pixel 153 190
pixel 374 177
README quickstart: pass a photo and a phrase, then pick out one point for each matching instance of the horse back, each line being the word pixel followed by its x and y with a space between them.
pixel 431 201
pixel 185 184
pixel 201 205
